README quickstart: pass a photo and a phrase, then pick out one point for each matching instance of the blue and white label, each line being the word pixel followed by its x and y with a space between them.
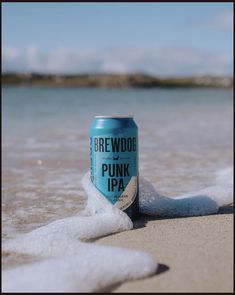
pixel 114 167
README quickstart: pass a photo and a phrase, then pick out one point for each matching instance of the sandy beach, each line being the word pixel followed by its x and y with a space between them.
pixel 195 253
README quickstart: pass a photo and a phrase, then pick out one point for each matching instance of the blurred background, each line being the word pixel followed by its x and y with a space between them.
pixel 181 39
pixel 170 65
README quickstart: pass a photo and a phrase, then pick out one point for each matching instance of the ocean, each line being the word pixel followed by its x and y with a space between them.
pixel 184 136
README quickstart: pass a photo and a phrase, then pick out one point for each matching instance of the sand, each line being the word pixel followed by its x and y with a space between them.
pixel 195 253
pixel 192 254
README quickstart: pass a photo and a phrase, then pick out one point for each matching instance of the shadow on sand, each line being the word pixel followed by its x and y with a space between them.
pixel 144 219
pixel 161 269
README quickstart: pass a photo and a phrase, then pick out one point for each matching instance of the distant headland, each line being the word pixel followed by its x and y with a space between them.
pixel 136 80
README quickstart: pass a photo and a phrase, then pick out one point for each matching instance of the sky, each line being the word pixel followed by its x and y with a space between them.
pixel 164 39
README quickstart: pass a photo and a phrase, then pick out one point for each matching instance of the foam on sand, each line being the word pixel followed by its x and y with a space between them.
pixel 202 202
pixel 93 268
pixel 70 263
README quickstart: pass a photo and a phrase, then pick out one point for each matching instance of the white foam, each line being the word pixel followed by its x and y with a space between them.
pixel 70 263
pixel 202 202
pixel 93 268
pixel 82 266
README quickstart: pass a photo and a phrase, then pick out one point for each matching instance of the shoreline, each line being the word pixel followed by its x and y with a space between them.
pixel 119 81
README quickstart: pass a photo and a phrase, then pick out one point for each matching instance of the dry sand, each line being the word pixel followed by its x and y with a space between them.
pixel 195 253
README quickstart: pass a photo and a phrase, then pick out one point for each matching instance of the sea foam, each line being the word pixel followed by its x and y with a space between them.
pixel 70 262
pixel 202 202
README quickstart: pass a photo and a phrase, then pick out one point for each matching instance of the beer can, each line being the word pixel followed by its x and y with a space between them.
pixel 114 161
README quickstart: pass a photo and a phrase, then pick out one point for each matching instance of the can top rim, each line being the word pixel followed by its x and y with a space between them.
pixel 114 117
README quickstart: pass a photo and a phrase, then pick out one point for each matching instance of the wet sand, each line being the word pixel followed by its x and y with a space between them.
pixel 195 254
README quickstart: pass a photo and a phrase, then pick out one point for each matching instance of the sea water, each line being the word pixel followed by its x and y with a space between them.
pixel 185 149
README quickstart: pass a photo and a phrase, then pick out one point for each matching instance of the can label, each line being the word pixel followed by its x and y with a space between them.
pixel 114 167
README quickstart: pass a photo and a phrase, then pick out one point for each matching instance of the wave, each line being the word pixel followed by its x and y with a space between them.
pixel 71 262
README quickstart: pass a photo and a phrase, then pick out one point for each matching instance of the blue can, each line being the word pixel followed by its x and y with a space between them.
pixel 114 161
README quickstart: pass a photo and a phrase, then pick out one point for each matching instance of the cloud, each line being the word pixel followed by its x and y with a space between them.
pixel 157 61
pixel 222 20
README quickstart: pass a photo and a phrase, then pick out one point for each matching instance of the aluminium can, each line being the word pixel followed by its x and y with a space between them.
pixel 114 161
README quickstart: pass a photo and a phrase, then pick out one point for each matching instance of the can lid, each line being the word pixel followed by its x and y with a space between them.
pixel 115 116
